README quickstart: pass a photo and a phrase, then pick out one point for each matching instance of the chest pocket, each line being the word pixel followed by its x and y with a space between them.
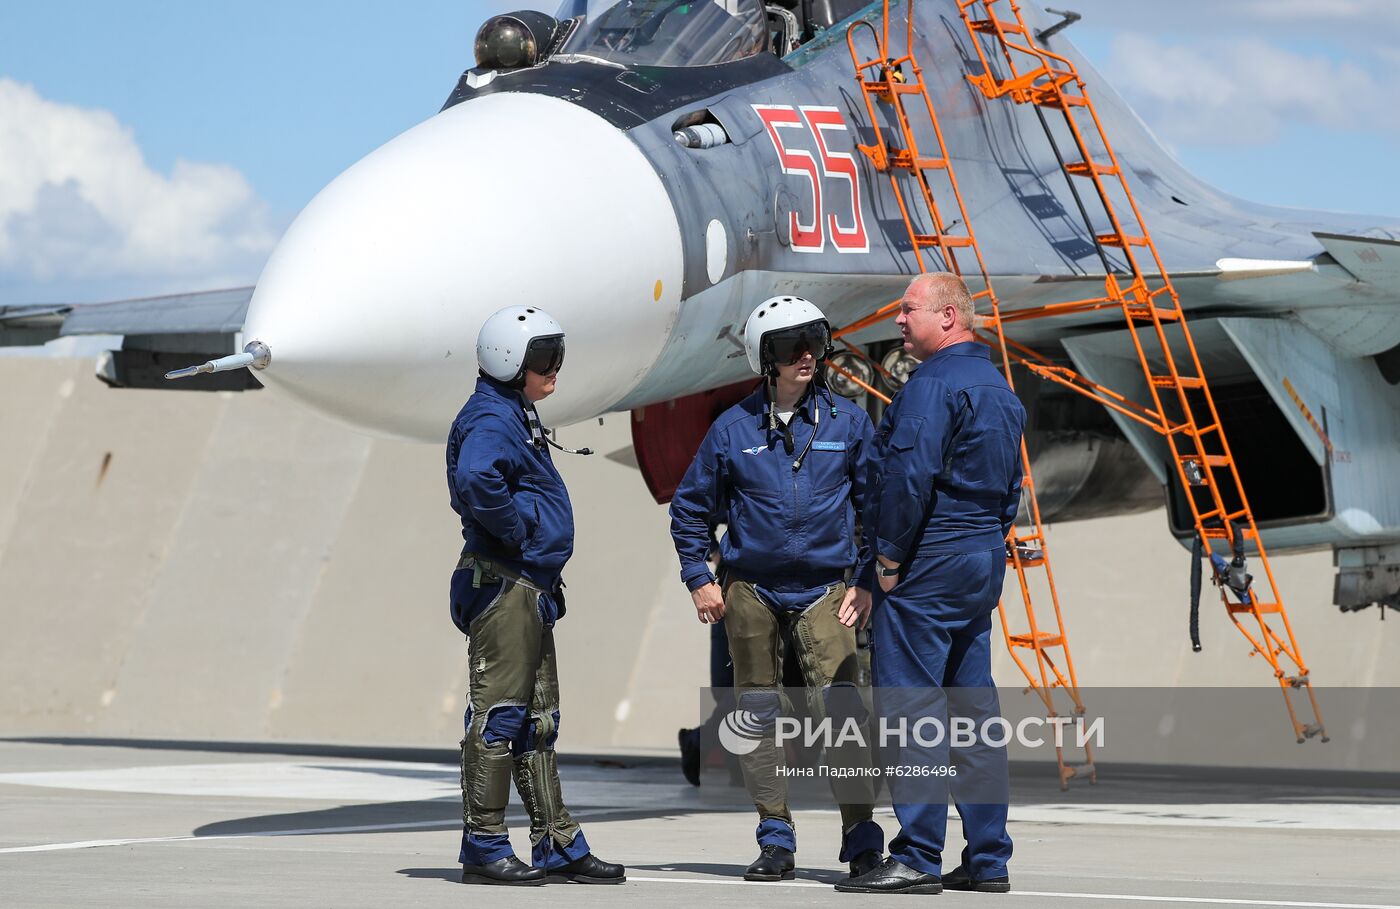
pixel 754 471
pixel 829 461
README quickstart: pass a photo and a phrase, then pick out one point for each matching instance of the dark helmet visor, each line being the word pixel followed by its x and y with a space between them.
pixel 786 346
pixel 545 356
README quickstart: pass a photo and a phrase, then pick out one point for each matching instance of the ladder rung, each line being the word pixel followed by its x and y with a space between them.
pixel 1056 77
pixel 1086 168
pixel 1037 639
pixel 1261 607
pixel 1121 240
pixel 941 240
pixel 1147 313
pixel 992 26
pixel 891 87
pixel 902 158
pixel 1211 460
pixel 1214 427
pixel 1174 381
pixel 1058 100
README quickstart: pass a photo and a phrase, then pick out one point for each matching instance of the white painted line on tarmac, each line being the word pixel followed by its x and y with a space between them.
pixel 1223 901
pixel 1129 897
pixel 190 838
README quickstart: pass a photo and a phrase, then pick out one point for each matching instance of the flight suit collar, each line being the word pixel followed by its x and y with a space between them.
pixel 499 390
pixel 804 407
pixel 963 349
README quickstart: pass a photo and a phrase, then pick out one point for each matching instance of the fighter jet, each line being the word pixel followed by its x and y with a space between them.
pixel 648 169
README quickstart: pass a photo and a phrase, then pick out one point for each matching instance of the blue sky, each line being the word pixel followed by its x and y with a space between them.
pixel 148 147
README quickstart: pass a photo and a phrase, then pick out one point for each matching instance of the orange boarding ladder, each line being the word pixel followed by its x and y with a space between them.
pixel 883 80
pixel 1183 409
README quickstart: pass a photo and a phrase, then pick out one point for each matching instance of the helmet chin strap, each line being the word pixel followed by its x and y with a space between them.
pixel 539 436
pixel 815 392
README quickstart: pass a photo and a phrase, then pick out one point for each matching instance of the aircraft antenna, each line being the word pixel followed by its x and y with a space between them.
pixel 255 354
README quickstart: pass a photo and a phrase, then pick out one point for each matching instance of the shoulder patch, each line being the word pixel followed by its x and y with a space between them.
pixel 829 446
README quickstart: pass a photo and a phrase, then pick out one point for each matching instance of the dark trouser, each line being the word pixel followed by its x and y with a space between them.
pixel 826 651
pixel 512 721
pixel 721 681
pixel 933 631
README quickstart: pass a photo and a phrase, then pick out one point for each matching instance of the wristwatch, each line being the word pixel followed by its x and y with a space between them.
pixel 888 572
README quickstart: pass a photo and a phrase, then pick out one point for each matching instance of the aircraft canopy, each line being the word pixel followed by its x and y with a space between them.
pixel 665 32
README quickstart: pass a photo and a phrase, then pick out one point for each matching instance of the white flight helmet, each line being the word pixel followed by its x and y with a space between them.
pixel 777 314
pixel 510 335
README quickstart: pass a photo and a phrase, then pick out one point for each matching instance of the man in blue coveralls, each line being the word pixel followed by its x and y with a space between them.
pixel 506 595
pixel 946 483
pixel 785 470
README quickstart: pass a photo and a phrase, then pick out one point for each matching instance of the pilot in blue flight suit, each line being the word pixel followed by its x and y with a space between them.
pixel 506 595
pixel 946 483
pixel 785 470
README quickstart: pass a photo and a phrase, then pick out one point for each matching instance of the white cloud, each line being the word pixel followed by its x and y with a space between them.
pixel 1245 91
pixel 78 200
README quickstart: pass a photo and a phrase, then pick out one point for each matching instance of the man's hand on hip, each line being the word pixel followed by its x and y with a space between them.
pixel 709 603
pixel 855 608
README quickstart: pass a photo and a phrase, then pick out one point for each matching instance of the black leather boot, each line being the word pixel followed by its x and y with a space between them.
pixel 509 871
pixel 774 863
pixel 865 863
pixel 892 876
pixel 588 870
pixel 959 879
pixel 689 741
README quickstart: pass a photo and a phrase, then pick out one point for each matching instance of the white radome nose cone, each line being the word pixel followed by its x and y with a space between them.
pixel 372 301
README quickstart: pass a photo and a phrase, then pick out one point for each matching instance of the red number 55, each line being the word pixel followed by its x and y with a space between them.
pixel 819 121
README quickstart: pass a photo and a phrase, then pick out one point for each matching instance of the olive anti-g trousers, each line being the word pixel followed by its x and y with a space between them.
pixel 826 651
pixel 512 721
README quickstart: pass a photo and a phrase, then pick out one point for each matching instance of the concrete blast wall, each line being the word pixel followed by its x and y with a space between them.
pixel 225 566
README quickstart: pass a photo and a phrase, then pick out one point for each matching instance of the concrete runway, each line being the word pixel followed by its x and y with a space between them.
pixel 84 825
